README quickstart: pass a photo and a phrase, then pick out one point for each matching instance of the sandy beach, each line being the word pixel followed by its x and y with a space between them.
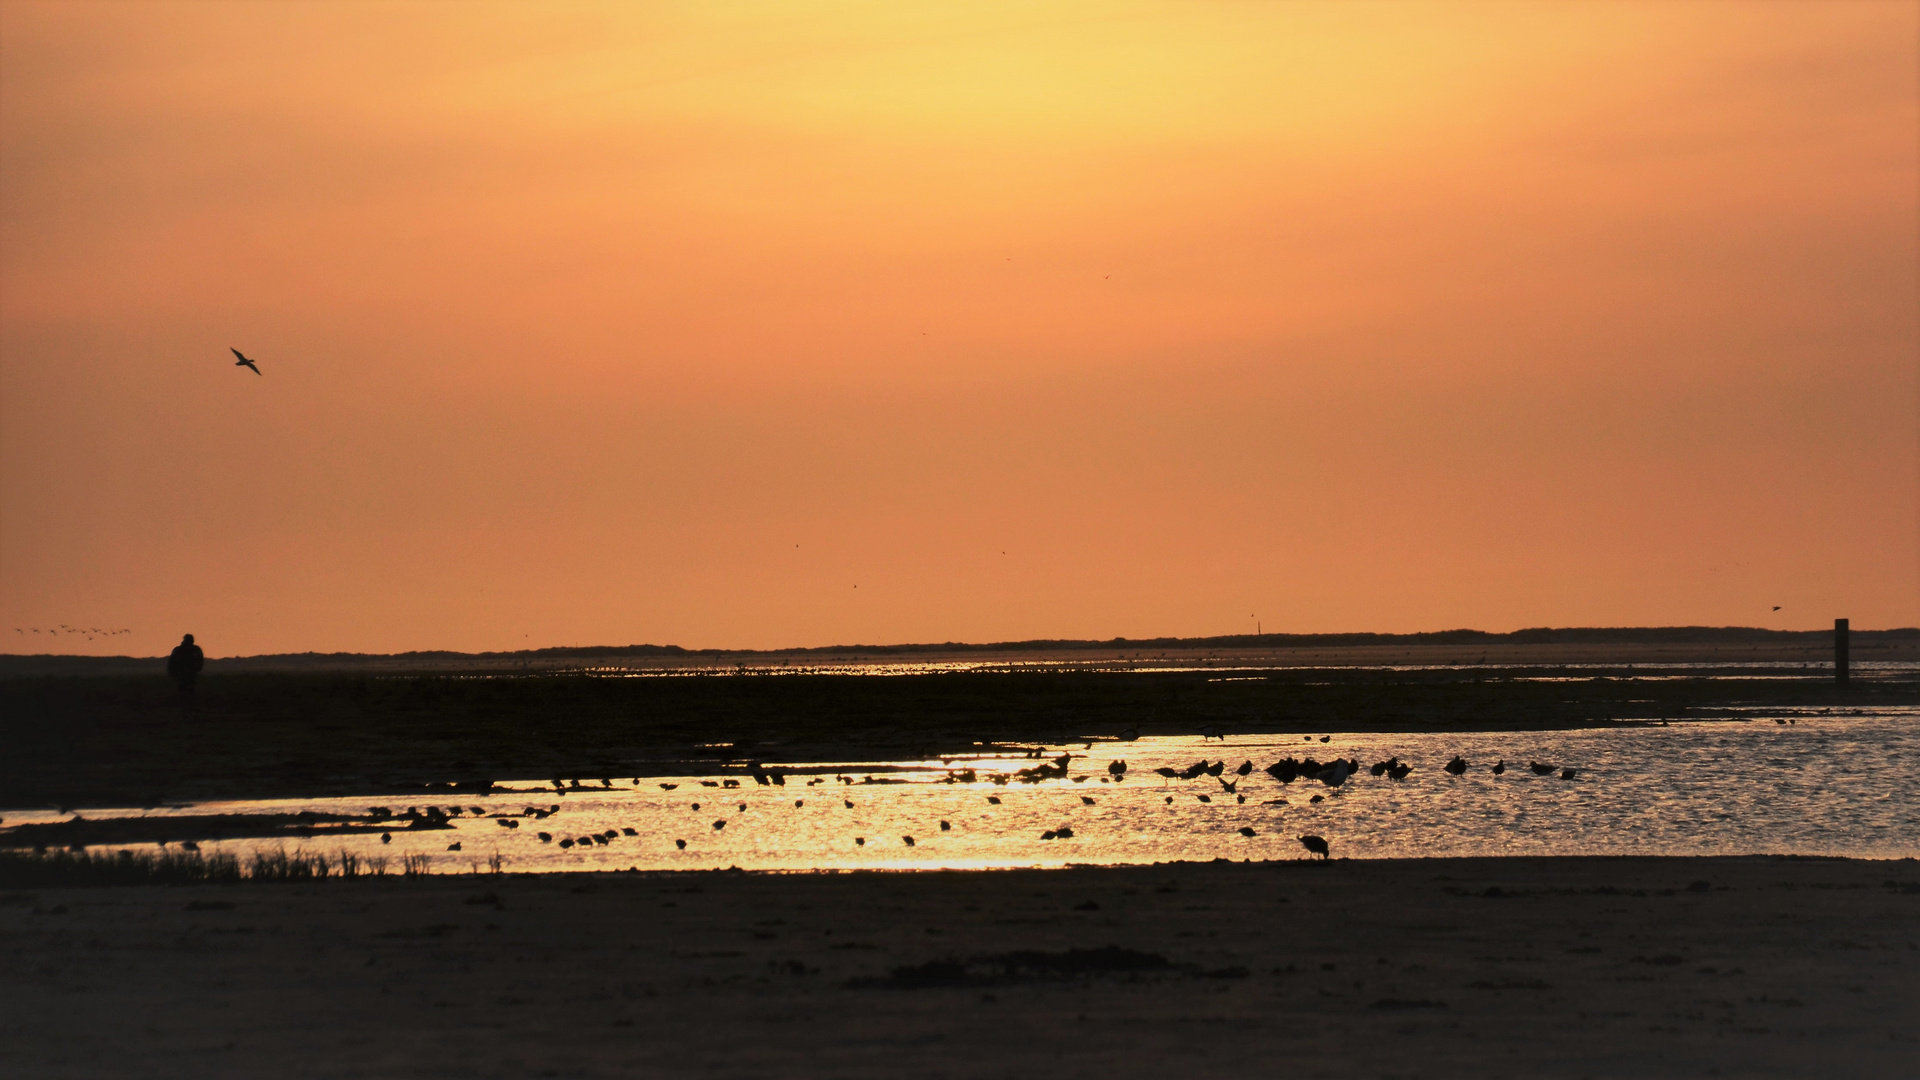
pixel 1485 967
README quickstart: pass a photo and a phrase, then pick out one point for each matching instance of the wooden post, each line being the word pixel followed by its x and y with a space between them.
pixel 1840 632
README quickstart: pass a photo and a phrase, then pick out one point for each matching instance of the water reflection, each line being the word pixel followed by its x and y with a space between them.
pixel 1255 668
pixel 1821 785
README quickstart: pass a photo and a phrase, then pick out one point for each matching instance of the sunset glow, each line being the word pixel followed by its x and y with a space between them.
pixel 779 325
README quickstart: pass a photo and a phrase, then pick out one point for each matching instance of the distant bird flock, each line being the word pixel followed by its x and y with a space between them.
pixel 90 632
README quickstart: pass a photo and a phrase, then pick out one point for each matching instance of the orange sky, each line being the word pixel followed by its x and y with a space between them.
pixel 598 324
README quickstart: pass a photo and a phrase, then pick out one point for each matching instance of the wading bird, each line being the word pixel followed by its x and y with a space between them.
pixel 1317 845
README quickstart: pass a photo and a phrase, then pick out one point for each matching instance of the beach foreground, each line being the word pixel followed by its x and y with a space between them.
pixel 1490 967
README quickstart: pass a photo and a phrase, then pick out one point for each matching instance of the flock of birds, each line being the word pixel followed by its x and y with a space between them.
pixel 1331 775
pixel 88 632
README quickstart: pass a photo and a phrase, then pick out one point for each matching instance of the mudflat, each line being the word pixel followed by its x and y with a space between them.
pixel 1634 967
pixel 90 741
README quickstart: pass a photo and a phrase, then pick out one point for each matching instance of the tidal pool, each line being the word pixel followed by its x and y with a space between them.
pixel 1830 782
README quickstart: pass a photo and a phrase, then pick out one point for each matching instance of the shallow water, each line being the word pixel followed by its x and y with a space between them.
pixel 1823 785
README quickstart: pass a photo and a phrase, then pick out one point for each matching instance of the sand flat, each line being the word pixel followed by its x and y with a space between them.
pixel 1483 967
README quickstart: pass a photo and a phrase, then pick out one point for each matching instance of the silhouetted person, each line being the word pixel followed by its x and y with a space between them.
pixel 184 665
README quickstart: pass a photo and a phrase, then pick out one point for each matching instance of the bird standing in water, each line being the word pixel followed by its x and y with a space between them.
pixel 243 361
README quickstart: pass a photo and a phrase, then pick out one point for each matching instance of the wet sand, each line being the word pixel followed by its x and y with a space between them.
pixel 1482 967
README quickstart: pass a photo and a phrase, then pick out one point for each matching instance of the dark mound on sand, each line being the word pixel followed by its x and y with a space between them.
pixel 1027 965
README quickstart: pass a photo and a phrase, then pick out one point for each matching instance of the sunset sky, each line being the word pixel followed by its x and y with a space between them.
pixel 759 325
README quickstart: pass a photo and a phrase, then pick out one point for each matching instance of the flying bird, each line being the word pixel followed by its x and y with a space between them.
pixel 243 361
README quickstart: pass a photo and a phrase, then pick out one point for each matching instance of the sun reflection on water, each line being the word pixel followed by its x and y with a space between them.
pixel 1821 785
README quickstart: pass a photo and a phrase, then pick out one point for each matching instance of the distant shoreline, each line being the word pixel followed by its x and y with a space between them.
pixel 1552 644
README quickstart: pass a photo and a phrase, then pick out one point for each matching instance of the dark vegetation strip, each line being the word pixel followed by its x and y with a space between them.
pixel 127 741
pixel 63 869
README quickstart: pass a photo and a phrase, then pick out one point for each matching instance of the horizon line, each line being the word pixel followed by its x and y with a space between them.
pixel 1542 635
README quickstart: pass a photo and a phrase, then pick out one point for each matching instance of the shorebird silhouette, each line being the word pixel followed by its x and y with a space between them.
pixel 246 363
pixel 1317 845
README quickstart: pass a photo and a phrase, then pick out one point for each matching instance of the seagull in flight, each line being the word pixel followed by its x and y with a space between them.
pixel 243 361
